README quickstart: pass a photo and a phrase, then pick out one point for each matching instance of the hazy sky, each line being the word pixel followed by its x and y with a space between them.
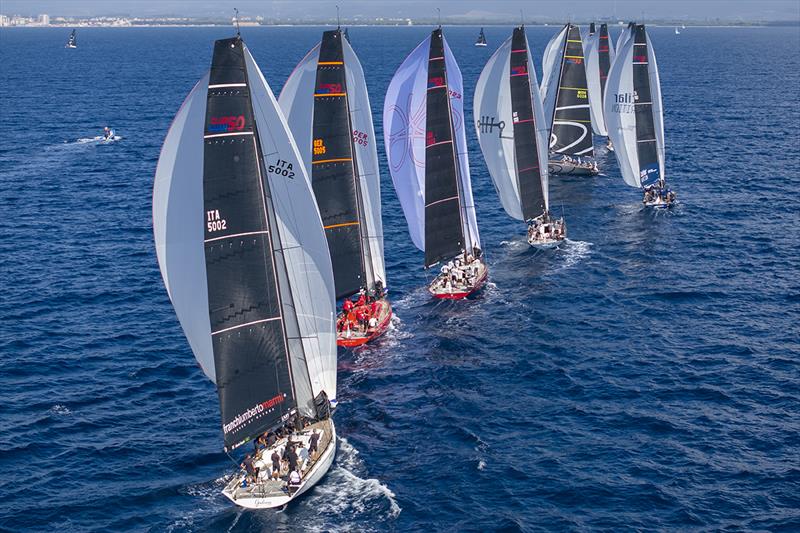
pixel 415 9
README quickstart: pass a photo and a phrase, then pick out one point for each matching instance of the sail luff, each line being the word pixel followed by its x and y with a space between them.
pixel 646 141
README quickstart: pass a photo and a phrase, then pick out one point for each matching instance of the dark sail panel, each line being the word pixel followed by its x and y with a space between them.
pixel 250 355
pixel 444 232
pixel 572 123
pixel 646 147
pixel 605 58
pixel 525 152
pixel 333 168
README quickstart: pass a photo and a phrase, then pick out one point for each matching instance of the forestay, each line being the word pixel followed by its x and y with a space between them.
pixel 634 112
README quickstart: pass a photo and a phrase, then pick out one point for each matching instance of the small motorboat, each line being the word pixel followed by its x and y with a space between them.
pixel 546 232
pixel 350 332
pixel 459 279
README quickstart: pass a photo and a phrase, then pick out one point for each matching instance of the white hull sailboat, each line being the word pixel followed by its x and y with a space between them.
pixel 245 261
pixel 635 117
pixel 513 135
pixel 426 146
pixel 565 96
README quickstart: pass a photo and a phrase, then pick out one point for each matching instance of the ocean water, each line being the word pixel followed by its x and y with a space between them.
pixel 644 376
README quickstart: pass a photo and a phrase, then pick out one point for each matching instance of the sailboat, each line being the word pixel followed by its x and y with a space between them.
pixel 426 145
pixel 677 32
pixel 245 262
pixel 513 135
pixel 72 42
pixel 565 95
pixel 326 105
pixel 599 52
pixel 635 118
pixel 481 39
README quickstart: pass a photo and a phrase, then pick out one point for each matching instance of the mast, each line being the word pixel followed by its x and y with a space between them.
pixel 444 219
pixel 249 339
pixel 646 143
pixel 334 171
pixel 526 154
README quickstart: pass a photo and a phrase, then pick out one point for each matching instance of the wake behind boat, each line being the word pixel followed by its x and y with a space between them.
pixel 507 93
pixel 565 94
pixel 327 107
pixel 426 147
pixel 245 262
pixel 635 117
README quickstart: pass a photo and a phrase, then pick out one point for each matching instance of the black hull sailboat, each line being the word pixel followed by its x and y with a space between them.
pixel 481 39
pixel 72 42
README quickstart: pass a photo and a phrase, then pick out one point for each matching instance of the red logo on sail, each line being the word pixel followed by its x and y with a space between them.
pixel 226 124
pixel 329 88
pixel 437 81
pixel 519 71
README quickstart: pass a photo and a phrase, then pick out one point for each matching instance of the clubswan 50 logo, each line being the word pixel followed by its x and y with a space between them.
pixel 226 124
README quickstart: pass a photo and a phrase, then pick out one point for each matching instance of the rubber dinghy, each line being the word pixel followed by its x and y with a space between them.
pixel 426 145
pixel 245 262
pixel 635 117
pixel 512 132
pixel 326 104
pixel 565 94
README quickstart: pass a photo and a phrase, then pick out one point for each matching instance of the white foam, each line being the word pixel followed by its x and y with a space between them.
pixel 59 409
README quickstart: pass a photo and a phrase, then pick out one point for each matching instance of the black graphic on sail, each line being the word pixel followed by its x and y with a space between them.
pixel 525 152
pixel 250 353
pixel 646 146
pixel 444 231
pixel 571 133
pixel 605 58
pixel 334 175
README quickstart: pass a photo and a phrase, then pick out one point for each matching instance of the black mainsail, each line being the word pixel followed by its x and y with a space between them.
pixel 525 149
pixel 444 229
pixel 481 39
pixel 571 123
pixel 251 355
pixel 646 144
pixel 334 175
pixel 604 53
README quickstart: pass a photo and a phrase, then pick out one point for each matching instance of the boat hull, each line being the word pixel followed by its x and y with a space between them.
pixel 458 294
pixel 359 340
pixel 480 44
pixel 317 472
pixel 565 167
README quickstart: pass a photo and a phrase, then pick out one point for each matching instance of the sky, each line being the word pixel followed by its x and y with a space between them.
pixel 453 10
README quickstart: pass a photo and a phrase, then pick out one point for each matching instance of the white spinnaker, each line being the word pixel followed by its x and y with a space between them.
pixel 404 118
pixel 294 100
pixel 491 109
pixel 178 223
pixel 305 247
pixel 620 115
pixel 455 85
pixel 366 154
pixel 551 73
pixel 591 51
pixel 623 37
pixel 658 105
pixel 542 128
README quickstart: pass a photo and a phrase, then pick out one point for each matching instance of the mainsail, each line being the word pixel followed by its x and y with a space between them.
pixel 72 42
pixel 327 107
pixel 634 112
pixel 512 129
pixel 252 287
pixel 427 151
pixel 565 94
pixel 599 54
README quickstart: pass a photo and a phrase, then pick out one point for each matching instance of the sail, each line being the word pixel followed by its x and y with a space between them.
pixel 571 126
pixel 301 245
pixel 481 38
pixel 507 94
pixel 624 35
pixel 366 152
pixel 455 91
pixel 633 111
pixel 404 118
pixel 591 50
pixel 551 72
pixel 177 208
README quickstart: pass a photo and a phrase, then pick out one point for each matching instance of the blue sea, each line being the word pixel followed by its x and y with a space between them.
pixel 644 376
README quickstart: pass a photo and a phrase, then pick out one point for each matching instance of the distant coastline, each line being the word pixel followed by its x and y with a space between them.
pixel 421 24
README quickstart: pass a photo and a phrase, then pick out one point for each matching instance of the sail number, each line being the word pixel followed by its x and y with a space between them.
pixel 319 147
pixel 214 222
pixel 359 137
pixel 582 94
pixel 282 168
